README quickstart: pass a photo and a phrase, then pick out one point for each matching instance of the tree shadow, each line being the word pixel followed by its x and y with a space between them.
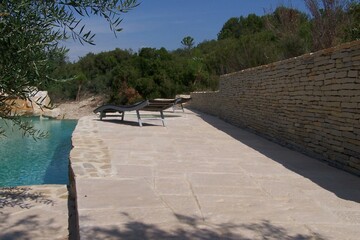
pixel 341 183
pixel 26 228
pixel 21 197
pixel 6 233
pixel 15 226
pixel 194 228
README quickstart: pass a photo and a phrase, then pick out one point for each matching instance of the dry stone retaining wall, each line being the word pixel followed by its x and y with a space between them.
pixel 311 102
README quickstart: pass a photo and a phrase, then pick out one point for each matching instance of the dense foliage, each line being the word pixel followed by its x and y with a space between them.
pixel 125 76
pixel 29 35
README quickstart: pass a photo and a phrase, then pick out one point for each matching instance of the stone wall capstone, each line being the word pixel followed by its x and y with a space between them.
pixel 311 103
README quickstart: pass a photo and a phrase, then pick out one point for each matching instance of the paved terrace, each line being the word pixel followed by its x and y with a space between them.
pixel 201 178
pixel 34 212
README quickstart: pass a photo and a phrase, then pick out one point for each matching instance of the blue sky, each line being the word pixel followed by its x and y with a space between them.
pixel 164 23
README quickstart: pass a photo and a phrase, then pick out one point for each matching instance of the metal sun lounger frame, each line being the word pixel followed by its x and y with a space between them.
pixel 178 104
pixel 147 105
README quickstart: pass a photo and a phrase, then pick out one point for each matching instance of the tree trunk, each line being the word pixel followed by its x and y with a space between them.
pixel 78 93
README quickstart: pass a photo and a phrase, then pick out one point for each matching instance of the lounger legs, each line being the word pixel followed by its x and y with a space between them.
pixel 176 106
pixel 139 119
pixel 140 122
pixel 162 118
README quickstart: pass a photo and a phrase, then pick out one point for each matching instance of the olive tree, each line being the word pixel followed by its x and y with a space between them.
pixel 30 32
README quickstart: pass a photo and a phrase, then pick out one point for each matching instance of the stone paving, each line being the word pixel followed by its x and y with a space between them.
pixel 34 212
pixel 201 178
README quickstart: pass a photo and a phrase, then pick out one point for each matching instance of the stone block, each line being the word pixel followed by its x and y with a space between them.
pixel 355 58
pixel 52 113
pixel 341 74
pixel 349 104
pixel 353 74
pixel 331 104
pixel 351 146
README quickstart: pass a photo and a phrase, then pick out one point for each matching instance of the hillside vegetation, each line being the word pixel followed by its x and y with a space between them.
pixel 126 76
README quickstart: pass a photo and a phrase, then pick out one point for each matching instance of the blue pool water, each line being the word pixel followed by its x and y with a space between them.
pixel 24 161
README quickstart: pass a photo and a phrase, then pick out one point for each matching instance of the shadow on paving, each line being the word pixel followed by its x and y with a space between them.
pixel 21 197
pixel 342 184
pixel 23 228
pixel 129 123
pixel 195 229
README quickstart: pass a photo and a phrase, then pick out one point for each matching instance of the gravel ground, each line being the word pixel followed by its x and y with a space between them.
pixel 78 109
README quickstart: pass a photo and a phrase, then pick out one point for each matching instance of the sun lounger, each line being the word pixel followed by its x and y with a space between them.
pixel 147 105
pixel 178 104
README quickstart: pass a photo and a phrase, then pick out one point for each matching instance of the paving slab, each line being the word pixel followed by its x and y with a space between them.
pixel 34 212
pixel 202 178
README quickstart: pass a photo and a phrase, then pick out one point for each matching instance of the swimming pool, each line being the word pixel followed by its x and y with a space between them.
pixel 24 161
